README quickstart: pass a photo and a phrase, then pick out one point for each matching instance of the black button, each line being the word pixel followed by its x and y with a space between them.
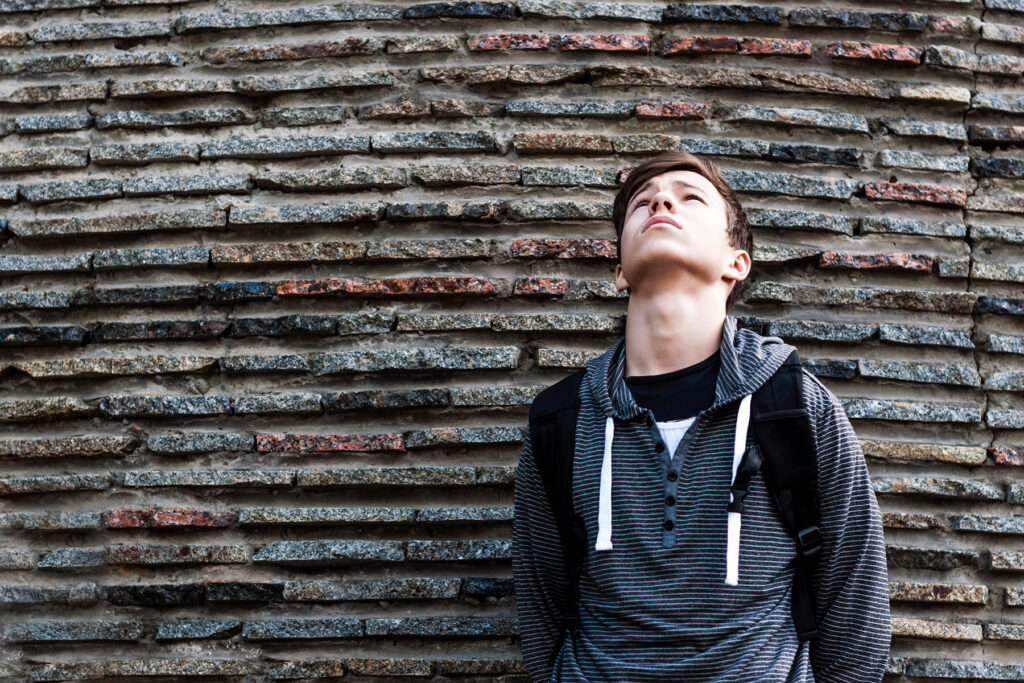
pixel 659 446
pixel 670 500
pixel 669 524
pixel 672 475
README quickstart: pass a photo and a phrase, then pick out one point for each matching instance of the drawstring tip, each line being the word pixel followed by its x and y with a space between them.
pixel 603 545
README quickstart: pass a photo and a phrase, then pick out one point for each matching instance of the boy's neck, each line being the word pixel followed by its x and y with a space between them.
pixel 671 330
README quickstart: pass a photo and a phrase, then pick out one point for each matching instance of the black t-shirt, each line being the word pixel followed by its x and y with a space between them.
pixel 679 394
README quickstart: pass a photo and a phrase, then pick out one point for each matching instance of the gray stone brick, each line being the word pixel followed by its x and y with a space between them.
pixel 472 358
pixel 165 406
pixel 283 148
pixel 303 629
pixel 66 92
pixel 78 595
pixel 186 185
pixel 442 626
pixel 967 489
pixel 143 120
pixel 426 475
pixel 325 515
pixel 67 446
pixel 192 23
pixel 963 670
pixel 196 629
pixel 100 31
pixel 273 404
pixel 399 588
pixel 72 558
pixel 106 259
pixel 347 212
pixel 304 116
pixel 917 371
pixel 52 483
pixel 51 123
pixel 188 443
pixel 934 336
pixel 185 219
pixel 909 226
pixel 853 333
pixel 988 524
pixel 16 263
pixel 141 153
pixel 74 630
pixel 437 436
pixel 801 220
pixel 460 551
pixel 171 87
pixel 349 178
pixel 40 158
pixel 280 363
pixel 433 142
pixel 16 301
pixel 492 513
pixel 268 85
pixel 330 552
pixel 94 188
pixel 220 478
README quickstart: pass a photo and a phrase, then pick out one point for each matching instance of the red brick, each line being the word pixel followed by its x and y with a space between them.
pixel 1004 455
pixel 875 52
pixel 510 41
pixel 961 25
pixel 913 192
pixel 530 286
pixel 606 42
pixel 649 109
pixel 563 248
pixel 329 443
pixel 132 518
pixel 699 45
pixel 896 261
pixel 752 45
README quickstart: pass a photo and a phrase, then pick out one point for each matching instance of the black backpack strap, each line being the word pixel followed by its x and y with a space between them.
pixel 553 437
pixel 790 466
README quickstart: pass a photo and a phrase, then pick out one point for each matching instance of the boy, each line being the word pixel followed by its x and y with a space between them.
pixel 668 591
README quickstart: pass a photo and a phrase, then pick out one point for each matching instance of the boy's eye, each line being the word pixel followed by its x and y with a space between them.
pixel 689 196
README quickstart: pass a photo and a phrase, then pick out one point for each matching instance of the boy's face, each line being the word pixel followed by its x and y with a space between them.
pixel 696 248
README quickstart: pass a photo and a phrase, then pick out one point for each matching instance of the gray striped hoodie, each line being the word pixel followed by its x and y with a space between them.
pixel 655 600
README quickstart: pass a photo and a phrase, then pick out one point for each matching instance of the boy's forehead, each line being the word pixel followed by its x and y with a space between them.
pixel 688 177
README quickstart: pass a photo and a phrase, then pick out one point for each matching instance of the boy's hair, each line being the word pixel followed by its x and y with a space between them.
pixel 737 229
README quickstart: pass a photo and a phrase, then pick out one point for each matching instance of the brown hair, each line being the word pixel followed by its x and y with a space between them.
pixel 737 229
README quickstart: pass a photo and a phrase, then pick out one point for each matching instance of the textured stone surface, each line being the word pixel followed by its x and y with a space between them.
pixel 281 283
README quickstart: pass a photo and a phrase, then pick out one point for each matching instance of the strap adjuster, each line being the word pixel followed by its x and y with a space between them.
pixel 809 540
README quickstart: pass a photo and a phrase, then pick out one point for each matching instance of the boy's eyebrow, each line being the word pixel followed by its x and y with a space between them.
pixel 675 183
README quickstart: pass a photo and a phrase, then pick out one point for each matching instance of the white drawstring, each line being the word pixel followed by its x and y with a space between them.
pixel 732 554
pixel 604 509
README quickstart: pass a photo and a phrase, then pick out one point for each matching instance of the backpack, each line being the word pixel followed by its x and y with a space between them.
pixel 788 458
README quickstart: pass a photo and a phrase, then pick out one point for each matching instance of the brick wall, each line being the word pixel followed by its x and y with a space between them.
pixel 280 282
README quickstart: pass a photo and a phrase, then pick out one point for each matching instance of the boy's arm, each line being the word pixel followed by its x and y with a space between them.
pixel 852 582
pixel 538 567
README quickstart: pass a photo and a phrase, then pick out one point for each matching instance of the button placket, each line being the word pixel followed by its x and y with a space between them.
pixel 673 465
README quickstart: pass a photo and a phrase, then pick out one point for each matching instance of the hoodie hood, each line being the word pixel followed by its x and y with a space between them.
pixel 747 359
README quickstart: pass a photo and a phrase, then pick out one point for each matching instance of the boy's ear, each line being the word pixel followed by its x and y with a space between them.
pixel 620 280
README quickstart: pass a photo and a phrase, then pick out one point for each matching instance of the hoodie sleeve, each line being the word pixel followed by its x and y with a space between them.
pixel 538 567
pixel 851 581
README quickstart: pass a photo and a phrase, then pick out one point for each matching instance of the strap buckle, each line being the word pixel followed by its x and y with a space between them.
pixel 809 541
